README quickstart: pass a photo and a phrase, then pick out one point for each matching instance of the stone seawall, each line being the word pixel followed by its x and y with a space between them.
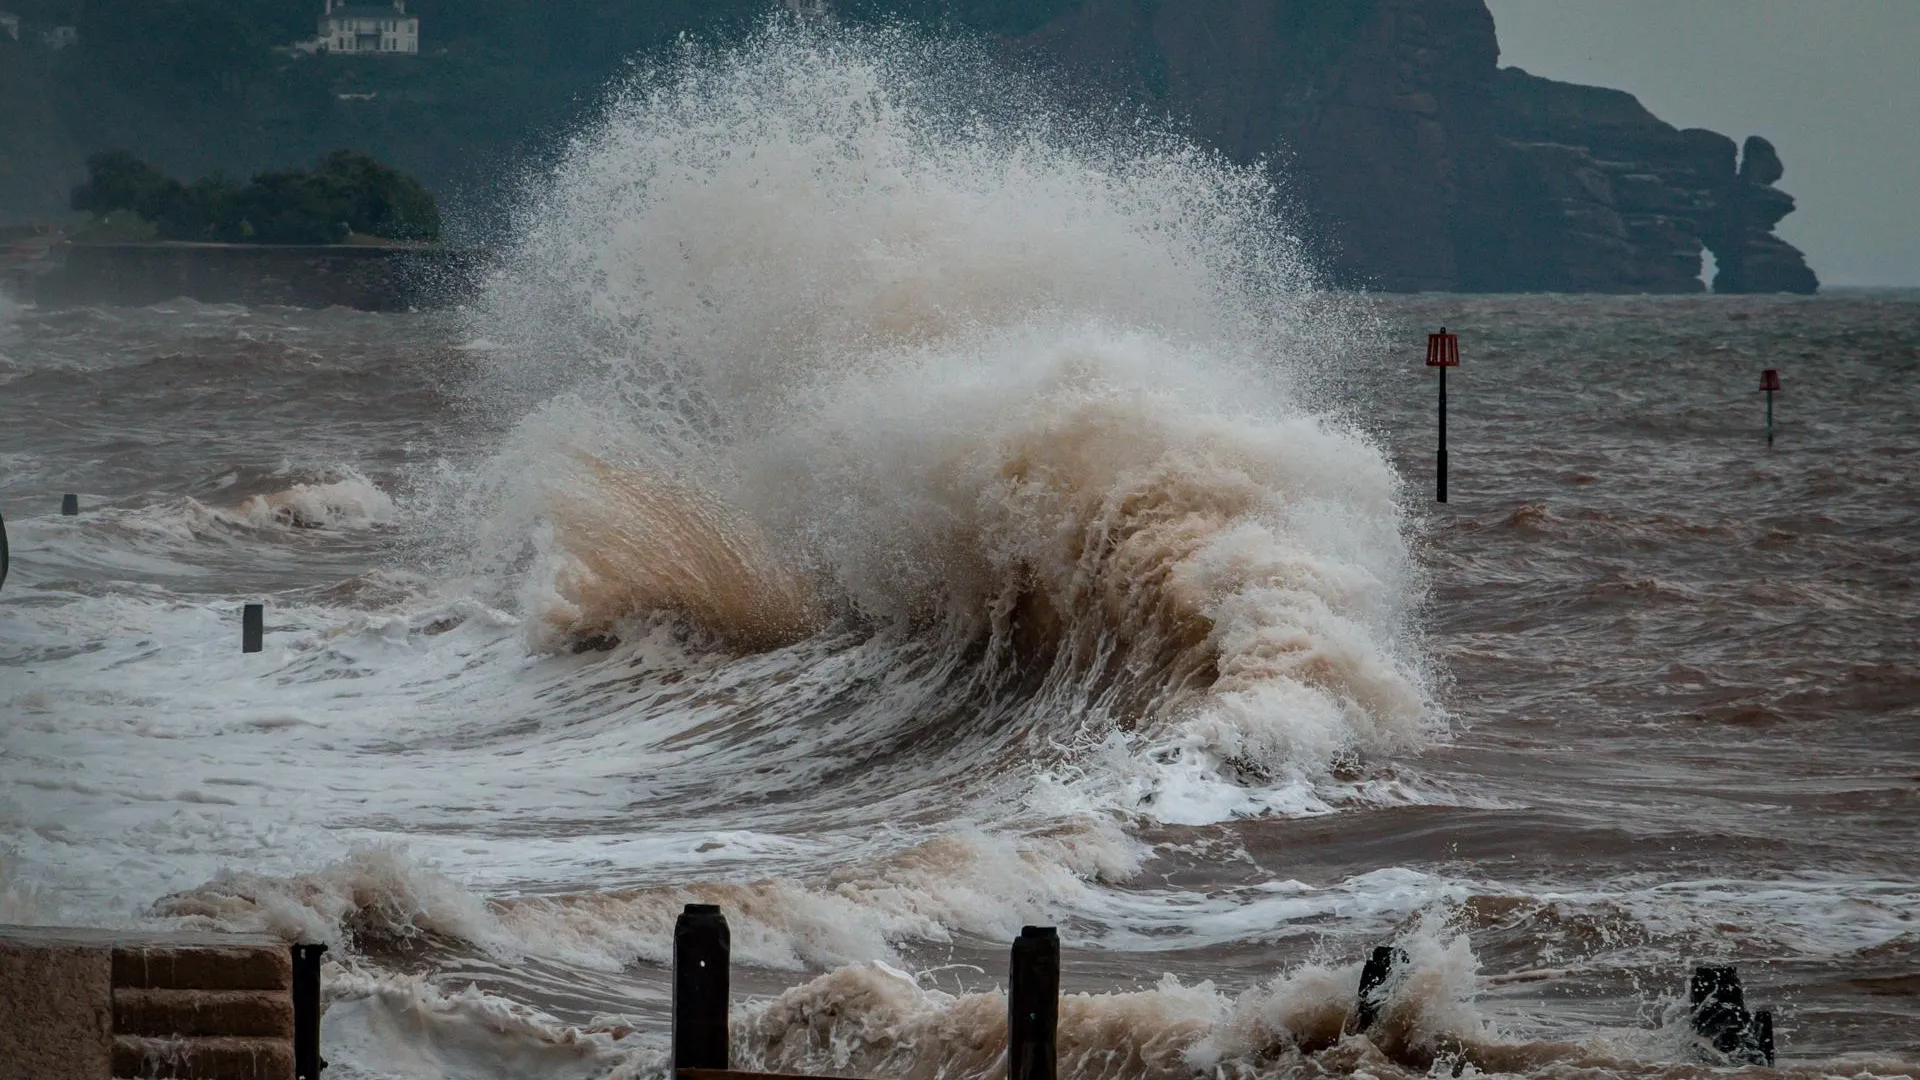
pixel 368 278
pixel 126 1005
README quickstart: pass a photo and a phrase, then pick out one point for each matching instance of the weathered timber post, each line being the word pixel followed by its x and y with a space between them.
pixel 1720 1016
pixel 702 945
pixel 69 505
pixel 1761 1032
pixel 307 1061
pixel 1033 1005
pixel 1380 969
pixel 253 627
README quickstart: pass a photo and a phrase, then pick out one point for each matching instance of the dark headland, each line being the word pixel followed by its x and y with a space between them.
pixel 1428 165
pixel 1419 162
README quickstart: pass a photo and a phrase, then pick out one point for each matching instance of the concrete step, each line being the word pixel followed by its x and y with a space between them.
pixel 202 966
pixel 139 1058
pixel 170 1013
pixel 56 1022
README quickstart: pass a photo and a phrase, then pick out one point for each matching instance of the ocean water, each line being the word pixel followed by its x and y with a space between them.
pixel 897 517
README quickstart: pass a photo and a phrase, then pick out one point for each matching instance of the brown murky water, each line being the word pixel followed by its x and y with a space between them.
pixel 1673 671
pixel 866 501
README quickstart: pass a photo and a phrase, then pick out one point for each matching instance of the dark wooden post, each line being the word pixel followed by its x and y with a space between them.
pixel 1033 1005
pixel 1720 1016
pixel 253 627
pixel 701 948
pixel 69 505
pixel 1719 1006
pixel 1378 971
pixel 1762 1034
pixel 307 1062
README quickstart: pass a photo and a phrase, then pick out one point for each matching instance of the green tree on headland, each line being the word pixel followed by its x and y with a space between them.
pixel 116 180
pixel 345 193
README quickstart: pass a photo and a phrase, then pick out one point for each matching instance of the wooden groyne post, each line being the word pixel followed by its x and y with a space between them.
pixel 1721 1018
pixel 307 1061
pixel 1376 982
pixel 1033 1005
pixel 702 947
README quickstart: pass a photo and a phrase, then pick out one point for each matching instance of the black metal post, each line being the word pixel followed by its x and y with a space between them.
pixel 307 1061
pixel 1441 462
pixel 1033 1005
pixel 69 505
pixel 702 945
pixel 253 627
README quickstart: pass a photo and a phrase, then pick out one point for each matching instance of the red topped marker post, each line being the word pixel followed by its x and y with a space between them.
pixel 1770 381
pixel 1443 352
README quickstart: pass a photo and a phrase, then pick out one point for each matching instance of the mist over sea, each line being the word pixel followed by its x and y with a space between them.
pixel 867 504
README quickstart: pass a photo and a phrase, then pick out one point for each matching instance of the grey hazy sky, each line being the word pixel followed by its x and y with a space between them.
pixel 1834 83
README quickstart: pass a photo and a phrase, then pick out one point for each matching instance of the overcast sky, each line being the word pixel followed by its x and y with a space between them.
pixel 1835 84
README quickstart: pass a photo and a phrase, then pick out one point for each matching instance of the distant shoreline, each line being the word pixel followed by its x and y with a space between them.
pixel 384 276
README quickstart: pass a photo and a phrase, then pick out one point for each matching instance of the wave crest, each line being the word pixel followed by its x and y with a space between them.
pixel 862 347
pixel 637 545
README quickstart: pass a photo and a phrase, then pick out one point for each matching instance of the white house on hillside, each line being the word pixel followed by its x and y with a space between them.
pixel 369 28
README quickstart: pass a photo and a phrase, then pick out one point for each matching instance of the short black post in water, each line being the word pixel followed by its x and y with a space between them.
pixel 253 627
pixel 1033 1004
pixel 1443 352
pixel 1374 977
pixel 307 1062
pixel 1720 1016
pixel 1769 382
pixel 702 946
pixel 69 505
pixel 1761 1033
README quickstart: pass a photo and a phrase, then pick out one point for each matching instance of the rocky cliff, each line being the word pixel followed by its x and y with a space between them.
pixel 1414 160
pixel 1420 164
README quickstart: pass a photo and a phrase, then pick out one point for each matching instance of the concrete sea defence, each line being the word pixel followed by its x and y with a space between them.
pixel 106 1004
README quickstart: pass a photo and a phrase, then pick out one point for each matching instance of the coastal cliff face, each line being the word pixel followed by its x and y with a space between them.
pixel 1413 161
pixel 1423 165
